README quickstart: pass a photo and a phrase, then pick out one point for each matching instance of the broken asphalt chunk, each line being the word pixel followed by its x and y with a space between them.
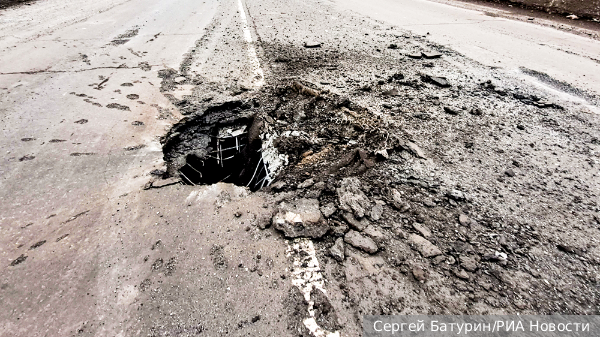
pixel 415 150
pixel 424 246
pixel 456 195
pixel 398 202
pixel 312 44
pixel 353 223
pixel 337 250
pixel 464 220
pixel 391 92
pixel 431 55
pixel 328 209
pixel 352 198
pixel 440 81
pixel 468 263
pixel 357 240
pixel 302 218
pixel 304 90
pixel 451 110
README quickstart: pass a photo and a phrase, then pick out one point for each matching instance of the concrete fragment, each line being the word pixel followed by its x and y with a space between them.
pixel 431 55
pixel 456 195
pixel 420 274
pixel 361 242
pixel 306 183
pixel 383 154
pixel 468 263
pixel 398 202
pixel 423 246
pixel 415 150
pixel 179 80
pixel 451 110
pixel 352 198
pixel 464 220
pixel 377 210
pixel 303 218
pixel 312 44
pixel 328 209
pixel 374 233
pixel 461 274
pixel 391 92
pixel 353 223
pixel 278 186
pixel 337 250
pixel 422 229
pixel 439 81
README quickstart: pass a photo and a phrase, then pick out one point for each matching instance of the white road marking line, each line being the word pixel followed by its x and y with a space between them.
pixel 258 76
pixel 306 278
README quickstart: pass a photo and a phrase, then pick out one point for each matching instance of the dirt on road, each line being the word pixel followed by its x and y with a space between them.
pixel 443 187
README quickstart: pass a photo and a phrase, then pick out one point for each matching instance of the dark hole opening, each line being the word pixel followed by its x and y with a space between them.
pixel 229 157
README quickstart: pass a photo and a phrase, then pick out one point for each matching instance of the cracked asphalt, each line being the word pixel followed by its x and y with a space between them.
pixel 93 242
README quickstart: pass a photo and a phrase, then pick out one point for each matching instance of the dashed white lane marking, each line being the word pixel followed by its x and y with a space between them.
pixel 258 76
pixel 306 275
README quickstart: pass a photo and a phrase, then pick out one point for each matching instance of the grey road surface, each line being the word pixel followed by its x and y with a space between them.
pixel 87 249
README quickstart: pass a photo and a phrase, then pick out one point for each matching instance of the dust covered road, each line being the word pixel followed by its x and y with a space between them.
pixel 379 170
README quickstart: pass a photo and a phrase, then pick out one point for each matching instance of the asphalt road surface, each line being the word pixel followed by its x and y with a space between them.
pixel 94 242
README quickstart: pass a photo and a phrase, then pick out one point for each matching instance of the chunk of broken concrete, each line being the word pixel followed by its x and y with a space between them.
pixel 461 274
pixel 431 55
pixel 278 185
pixel 355 239
pixel 179 79
pixel 382 154
pixel 301 218
pixel 468 263
pixel 353 223
pixel 415 150
pixel 439 81
pixel 352 198
pixel 451 110
pixel 374 233
pixel 306 183
pixel 312 44
pixel 398 202
pixel 424 246
pixel 377 210
pixel 391 92
pixel 422 229
pixel 337 250
pixel 328 209
pixel 464 220
pixel 420 274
